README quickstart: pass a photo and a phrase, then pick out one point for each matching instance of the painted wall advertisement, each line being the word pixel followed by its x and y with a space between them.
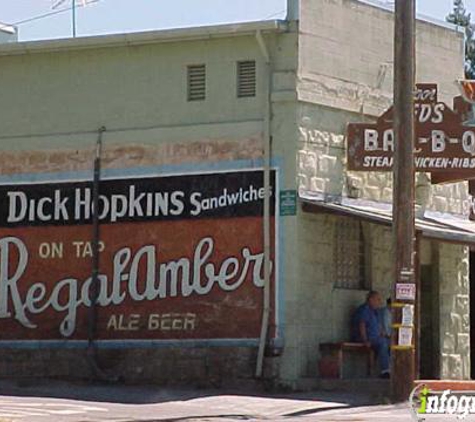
pixel 181 258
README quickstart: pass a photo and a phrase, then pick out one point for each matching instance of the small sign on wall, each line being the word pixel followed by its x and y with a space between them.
pixel 408 315
pixel 288 202
pixel 405 337
pixel 405 291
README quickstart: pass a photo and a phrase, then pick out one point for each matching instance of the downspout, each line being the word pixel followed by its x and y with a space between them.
pixel 266 226
pixel 94 291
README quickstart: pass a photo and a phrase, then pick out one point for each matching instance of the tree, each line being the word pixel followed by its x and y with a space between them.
pixel 460 17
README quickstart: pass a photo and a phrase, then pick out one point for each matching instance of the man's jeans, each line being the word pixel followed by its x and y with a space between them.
pixel 381 346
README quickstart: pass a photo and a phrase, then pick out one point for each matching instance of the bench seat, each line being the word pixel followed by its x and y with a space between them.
pixel 332 359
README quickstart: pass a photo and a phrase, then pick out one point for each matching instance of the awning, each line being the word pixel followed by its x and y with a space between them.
pixel 435 225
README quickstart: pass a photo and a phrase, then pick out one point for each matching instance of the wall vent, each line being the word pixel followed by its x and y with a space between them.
pixel 196 80
pixel 246 75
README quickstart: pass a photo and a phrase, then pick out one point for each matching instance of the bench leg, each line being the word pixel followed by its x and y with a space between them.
pixel 340 362
pixel 370 363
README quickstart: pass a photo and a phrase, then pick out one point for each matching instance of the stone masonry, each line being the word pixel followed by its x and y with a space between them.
pixel 336 87
pixel 454 311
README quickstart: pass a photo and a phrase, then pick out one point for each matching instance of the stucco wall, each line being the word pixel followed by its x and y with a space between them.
pixel 125 87
pixel 60 99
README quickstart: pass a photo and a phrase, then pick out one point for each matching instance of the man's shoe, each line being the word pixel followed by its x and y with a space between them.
pixel 384 375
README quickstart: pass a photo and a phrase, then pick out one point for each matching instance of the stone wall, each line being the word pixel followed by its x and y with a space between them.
pixel 352 73
pixel 346 76
pixel 454 311
pixel 351 68
pixel 309 297
pixel 322 166
pixel 320 312
pixel 199 366
pixel 381 251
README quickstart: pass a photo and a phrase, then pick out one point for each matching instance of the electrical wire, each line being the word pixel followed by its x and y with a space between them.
pixel 45 15
pixel 275 14
pixel 67 9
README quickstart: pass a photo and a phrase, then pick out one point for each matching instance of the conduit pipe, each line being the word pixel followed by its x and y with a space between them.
pixel 92 314
pixel 266 225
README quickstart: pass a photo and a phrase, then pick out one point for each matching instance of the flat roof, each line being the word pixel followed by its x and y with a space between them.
pixel 146 37
pixel 389 6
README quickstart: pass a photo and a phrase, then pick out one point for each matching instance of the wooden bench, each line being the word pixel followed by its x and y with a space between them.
pixel 332 358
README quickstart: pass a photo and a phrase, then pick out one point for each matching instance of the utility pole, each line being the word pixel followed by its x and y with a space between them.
pixel 57 3
pixel 403 355
pixel 74 18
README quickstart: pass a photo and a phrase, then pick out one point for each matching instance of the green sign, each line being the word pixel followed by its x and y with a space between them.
pixel 288 202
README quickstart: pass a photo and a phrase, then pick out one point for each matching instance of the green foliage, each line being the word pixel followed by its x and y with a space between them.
pixel 459 16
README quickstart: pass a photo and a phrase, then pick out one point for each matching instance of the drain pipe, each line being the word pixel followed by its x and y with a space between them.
pixel 94 291
pixel 266 226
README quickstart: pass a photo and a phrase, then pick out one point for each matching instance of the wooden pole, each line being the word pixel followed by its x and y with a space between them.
pixel 74 18
pixel 403 359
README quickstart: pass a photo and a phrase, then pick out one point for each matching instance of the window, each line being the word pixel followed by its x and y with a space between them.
pixel 246 79
pixel 350 258
pixel 196 80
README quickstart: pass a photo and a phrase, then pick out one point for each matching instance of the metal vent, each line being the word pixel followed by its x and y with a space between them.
pixel 197 82
pixel 246 72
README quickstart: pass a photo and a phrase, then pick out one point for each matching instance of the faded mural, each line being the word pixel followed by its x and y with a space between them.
pixel 181 257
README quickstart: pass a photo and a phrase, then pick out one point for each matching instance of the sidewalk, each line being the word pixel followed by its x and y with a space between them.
pixel 67 402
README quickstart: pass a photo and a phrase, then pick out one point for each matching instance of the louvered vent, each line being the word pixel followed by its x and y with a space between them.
pixel 197 82
pixel 246 72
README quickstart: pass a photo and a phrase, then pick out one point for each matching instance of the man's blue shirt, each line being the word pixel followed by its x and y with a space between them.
pixel 370 318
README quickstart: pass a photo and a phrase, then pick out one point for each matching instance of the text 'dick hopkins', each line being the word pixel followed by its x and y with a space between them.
pixel 151 198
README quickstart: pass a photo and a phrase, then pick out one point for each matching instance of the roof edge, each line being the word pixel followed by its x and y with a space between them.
pixel 143 37
pixel 419 16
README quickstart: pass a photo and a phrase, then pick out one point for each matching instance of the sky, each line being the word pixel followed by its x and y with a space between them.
pixel 116 16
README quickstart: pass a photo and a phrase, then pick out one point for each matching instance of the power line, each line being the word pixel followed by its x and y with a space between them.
pixel 38 17
pixel 275 14
pixel 43 16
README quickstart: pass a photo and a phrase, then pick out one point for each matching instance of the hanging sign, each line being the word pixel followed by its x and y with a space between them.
pixel 443 141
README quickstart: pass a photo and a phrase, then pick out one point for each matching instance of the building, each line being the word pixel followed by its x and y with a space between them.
pixel 175 136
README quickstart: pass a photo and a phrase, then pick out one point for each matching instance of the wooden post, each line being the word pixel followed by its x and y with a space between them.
pixel 74 18
pixel 403 359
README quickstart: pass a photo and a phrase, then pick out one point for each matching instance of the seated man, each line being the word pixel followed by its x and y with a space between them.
pixel 366 328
